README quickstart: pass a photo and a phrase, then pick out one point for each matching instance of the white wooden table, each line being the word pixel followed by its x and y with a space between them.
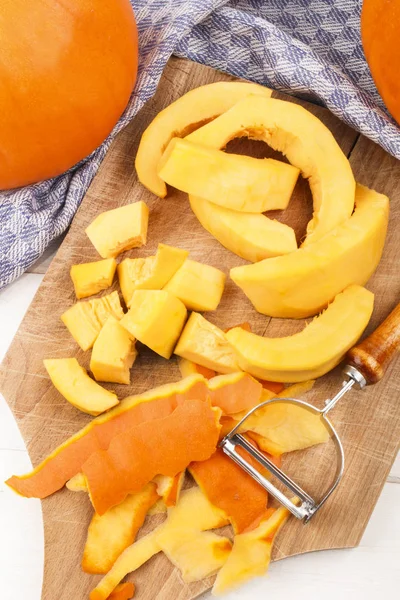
pixel 369 572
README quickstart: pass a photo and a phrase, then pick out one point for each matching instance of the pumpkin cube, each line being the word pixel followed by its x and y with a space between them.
pixel 120 229
pixel 73 382
pixel 199 286
pixel 84 320
pixel 113 353
pixel 156 318
pixel 151 273
pixel 205 344
pixel 93 277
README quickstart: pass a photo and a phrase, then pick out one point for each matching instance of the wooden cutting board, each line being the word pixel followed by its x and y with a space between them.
pixel 368 422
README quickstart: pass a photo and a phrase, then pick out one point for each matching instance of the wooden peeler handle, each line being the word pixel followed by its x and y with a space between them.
pixel 373 355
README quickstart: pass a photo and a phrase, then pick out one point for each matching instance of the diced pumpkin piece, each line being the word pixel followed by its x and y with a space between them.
pixel 151 273
pixel 231 489
pixel 312 352
pixel 77 483
pixel 191 110
pixel 199 286
pixel 233 181
pixel 93 277
pixel 109 534
pixel 187 367
pixel 304 140
pixel 251 554
pixel 205 344
pixel 164 447
pixel 193 513
pixel 156 318
pixel 73 382
pixel 196 554
pixel 302 284
pixel 113 353
pixel 123 591
pixel 253 237
pixel 234 392
pixel 84 320
pixel 169 488
pixel 119 229
pixel 68 459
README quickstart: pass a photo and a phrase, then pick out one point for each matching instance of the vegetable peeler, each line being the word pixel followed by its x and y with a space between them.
pixel 365 365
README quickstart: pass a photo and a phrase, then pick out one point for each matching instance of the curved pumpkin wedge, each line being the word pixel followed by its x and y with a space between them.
pixel 307 144
pixel 124 591
pixel 193 513
pixel 234 392
pixel 243 183
pixel 251 553
pixel 67 460
pixel 312 352
pixel 164 447
pixel 251 236
pixel 192 110
pixel 110 534
pixel 303 283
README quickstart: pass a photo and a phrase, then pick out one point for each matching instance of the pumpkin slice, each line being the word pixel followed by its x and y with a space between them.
pixel 73 382
pixel 192 514
pixel 123 591
pixel 205 344
pixel 251 554
pixel 198 286
pixel 197 555
pixel 188 367
pixel 155 318
pixel 67 460
pixel 110 534
pixel 234 392
pixel 151 273
pixel 113 353
pixel 312 352
pixel 251 236
pixel 164 447
pixel 231 489
pixel 169 488
pixel 234 181
pixel 93 277
pixel 187 113
pixel 302 284
pixel 119 229
pixel 307 144
pixel 84 320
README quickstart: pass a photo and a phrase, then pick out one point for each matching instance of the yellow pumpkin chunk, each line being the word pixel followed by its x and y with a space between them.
pixel 119 229
pixel 301 284
pixel 156 318
pixel 84 320
pixel 198 286
pixel 151 273
pixel 193 513
pixel 93 277
pixel 312 352
pixel 250 236
pixel 205 344
pixel 113 353
pixel 251 554
pixel 304 140
pixel 109 534
pixel 233 181
pixel 73 382
pixel 187 113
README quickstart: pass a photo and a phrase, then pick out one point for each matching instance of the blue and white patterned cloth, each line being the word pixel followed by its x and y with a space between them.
pixel 311 48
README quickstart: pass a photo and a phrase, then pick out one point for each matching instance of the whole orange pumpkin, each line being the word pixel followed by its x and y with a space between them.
pixel 67 69
pixel 380 31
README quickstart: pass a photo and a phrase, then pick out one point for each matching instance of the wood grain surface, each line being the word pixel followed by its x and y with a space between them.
pixel 368 422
